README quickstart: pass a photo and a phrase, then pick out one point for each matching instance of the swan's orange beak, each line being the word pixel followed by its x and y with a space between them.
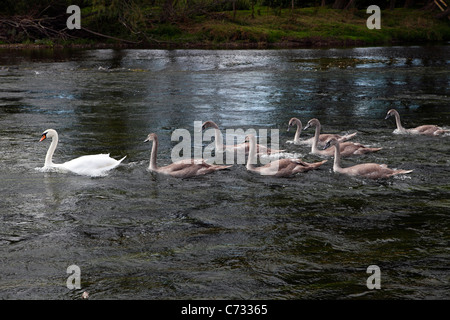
pixel 43 138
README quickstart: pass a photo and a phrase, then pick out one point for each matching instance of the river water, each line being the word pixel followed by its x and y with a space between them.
pixel 232 234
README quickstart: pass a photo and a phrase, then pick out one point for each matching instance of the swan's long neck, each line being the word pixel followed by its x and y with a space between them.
pixel 398 123
pixel 153 165
pixel 316 139
pixel 251 154
pixel 51 151
pixel 297 133
pixel 218 140
pixel 337 158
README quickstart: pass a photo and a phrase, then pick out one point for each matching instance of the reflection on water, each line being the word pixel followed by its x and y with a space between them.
pixel 232 234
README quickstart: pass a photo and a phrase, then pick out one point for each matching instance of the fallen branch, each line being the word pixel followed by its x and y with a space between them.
pixel 33 28
pixel 109 37
pixel 443 14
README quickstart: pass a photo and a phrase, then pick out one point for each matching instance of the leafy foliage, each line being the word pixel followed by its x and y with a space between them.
pixel 254 21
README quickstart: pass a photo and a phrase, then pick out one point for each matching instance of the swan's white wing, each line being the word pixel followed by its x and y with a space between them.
pixel 92 165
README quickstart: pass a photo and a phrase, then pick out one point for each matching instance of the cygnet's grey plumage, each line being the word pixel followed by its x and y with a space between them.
pixel 220 147
pixel 346 148
pixel 183 168
pixel 428 129
pixel 365 170
pixel 278 168
pixel 323 138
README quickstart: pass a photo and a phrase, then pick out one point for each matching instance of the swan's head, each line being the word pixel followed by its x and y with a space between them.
pixel 390 113
pixel 294 121
pixel 312 123
pixel 151 137
pixel 250 138
pixel 331 142
pixel 208 124
pixel 49 133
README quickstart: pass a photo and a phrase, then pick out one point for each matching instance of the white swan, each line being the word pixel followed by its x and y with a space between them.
pixel 278 168
pixel 365 170
pixel 183 168
pixel 323 138
pixel 429 130
pixel 91 165
pixel 346 148
pixel 220 147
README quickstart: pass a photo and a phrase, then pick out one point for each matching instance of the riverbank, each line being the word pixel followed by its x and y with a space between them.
pixel 262 28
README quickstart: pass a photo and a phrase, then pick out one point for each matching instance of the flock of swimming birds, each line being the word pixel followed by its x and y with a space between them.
pixel 321 144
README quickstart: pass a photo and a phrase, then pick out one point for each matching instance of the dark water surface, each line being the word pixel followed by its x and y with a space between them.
pixel 232 234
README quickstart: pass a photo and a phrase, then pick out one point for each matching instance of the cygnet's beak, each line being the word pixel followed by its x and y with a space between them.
pixel 201 129
pixel 307 126
pixel 327 145
pixel 387 116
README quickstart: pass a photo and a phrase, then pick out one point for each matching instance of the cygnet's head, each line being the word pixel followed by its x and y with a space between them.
pixel 250 138
pixel 390 113
pixel 331 142
pixel 208 124
pixel 311 123
pixel 151 137
pixel 293 122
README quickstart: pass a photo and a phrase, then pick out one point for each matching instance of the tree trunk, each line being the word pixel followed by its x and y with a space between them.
pixel 430 5
pixel 409 3
pixel 392 5
pixel 323 3
pixel 339 4
pixel 167 12
pixel 350 4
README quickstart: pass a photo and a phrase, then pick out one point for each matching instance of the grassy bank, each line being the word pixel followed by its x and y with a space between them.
pixel 265 27
pixel 309 26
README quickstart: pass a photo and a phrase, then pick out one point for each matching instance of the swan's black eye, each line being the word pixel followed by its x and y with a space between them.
pixel 44 136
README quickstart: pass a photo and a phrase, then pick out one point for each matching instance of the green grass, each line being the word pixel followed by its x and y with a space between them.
pixel 315 26
pixel 399 25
